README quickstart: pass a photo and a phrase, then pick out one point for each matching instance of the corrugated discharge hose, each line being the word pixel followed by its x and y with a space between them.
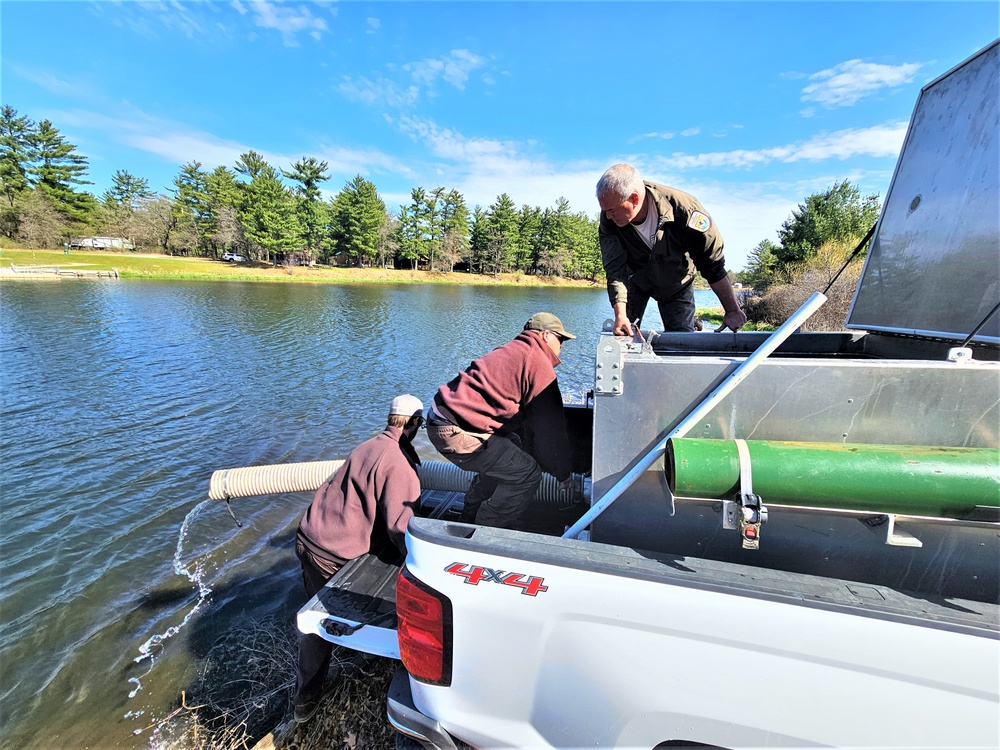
pixel 309 476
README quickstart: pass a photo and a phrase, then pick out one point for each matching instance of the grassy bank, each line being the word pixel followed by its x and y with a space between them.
pixel 150 266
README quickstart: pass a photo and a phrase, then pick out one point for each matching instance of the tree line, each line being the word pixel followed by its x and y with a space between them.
pixel 277 215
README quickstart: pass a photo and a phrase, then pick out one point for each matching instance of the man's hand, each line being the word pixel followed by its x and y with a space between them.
pixel 733 319
pixel 622 326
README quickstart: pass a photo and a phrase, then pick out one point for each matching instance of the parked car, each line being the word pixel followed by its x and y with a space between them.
pixel 236 258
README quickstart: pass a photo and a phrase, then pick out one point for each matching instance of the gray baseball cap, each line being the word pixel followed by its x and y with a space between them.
pixel 544 321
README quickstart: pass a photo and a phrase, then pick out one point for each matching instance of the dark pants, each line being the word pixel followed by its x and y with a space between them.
pixel 507 477
pixel 677 311
pixel 314 652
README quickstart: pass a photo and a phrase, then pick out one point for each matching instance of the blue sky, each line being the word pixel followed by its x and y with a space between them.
pixel 750 106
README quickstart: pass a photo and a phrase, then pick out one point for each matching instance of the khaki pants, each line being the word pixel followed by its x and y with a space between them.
pixel 507 477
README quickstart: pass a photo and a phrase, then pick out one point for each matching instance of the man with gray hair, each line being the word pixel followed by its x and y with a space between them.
pixel 653 240
pixel 363 507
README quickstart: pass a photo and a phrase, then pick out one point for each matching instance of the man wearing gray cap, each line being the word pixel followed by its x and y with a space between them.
pixel 474 419
pixel 361 508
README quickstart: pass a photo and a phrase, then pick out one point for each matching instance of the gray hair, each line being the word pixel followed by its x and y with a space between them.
pixel 621 181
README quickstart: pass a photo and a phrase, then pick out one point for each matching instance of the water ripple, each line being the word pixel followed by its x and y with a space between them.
pixel 117 402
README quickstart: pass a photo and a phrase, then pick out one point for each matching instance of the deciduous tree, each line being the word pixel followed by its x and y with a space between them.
pixel 41 223
pixel 454 228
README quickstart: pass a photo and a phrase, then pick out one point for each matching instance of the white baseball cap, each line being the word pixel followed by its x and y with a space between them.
pixel 406 406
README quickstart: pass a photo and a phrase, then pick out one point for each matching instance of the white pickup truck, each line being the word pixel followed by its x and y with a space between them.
pixel 865 612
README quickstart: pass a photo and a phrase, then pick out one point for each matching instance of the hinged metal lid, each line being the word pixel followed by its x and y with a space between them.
pixel 934 265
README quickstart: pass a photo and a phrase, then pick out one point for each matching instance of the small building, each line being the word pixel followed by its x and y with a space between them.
pixel 102 243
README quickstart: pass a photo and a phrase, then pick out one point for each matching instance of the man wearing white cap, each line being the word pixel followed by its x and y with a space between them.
pixel 475 418
pixel 361 508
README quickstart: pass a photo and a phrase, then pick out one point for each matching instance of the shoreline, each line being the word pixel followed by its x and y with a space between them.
pixel 156 266
pixel 150 266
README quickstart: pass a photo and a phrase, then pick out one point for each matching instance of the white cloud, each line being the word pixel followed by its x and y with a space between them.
pixel 690 131
pixel 178 143
pixel 380 91
pixel 388 92
pixel 140 18
pixel 845 84
pixel 50 82
pixel 747 211
pixel 663 136
pixel 373 25
pixel 453 68
pixel 878 141
pixel 287 20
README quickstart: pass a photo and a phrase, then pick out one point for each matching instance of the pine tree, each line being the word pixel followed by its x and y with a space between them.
pixel 357 219
pixel 120 202
pixel 57 168
pixel 311 211
pixel 503 239
pixel 839 213
pixel 265 209
pixel 16 152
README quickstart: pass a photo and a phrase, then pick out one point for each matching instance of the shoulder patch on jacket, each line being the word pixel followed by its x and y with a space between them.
pixel 699 221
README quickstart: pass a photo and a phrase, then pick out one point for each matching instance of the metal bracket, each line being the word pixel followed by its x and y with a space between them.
pixel 609 366
pixel 747 513
pixel 898 538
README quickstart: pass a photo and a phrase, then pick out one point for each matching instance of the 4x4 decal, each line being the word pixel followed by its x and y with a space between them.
pixel 473 574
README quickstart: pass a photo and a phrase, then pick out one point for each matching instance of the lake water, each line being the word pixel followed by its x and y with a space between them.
pixel 119 401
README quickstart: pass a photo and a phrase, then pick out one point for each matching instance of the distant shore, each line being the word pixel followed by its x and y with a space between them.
pixel 131 265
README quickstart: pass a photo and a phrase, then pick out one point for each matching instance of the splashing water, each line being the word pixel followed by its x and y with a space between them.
pixel 134 692
pixel 194 572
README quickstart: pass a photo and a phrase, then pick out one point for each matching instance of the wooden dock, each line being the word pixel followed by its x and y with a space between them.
pixel 49 272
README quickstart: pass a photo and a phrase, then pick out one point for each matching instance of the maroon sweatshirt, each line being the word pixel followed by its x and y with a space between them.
pixel 378 482
pixel 503 389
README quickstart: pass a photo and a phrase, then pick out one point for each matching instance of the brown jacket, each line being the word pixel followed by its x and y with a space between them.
pixel 513 384
pixel 378 483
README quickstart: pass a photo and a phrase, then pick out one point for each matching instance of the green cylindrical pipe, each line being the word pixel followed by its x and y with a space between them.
pixel 905 479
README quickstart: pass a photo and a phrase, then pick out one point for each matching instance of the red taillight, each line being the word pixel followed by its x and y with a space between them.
pixel 424 630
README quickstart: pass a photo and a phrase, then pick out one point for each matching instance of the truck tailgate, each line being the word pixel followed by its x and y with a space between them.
pixel 357 607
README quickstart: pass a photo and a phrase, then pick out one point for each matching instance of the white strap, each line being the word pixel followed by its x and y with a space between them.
pixel 746 479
